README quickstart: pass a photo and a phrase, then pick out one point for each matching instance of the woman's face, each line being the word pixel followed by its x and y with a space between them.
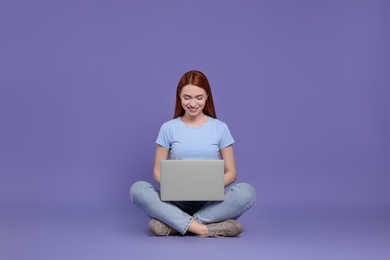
pixel 193 99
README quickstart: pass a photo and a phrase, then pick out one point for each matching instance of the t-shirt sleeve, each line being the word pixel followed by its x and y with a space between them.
pixel 226 137
pixel 164 137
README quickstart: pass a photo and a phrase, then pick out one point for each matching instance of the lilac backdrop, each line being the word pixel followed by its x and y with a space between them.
pixel 85 86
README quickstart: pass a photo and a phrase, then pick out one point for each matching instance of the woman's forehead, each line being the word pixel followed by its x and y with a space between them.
pixel 192 90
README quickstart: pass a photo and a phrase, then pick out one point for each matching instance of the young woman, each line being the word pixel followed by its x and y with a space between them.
pixel 194 133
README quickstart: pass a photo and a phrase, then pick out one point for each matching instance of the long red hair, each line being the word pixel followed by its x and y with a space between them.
pixel 196 78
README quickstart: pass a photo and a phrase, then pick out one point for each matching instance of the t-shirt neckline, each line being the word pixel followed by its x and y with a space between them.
pixel 193 127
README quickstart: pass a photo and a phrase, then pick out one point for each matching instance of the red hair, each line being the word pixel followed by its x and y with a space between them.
pixel 196 78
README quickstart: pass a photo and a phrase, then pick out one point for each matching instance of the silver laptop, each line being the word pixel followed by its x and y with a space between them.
pixel 192 180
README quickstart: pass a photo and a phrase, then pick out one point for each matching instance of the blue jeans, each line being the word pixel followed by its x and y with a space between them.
pixel 179 214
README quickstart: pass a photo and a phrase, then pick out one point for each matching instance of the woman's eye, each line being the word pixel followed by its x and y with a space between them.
pixel 199 98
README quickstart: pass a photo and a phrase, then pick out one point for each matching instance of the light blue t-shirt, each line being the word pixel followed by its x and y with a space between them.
pixel 194 143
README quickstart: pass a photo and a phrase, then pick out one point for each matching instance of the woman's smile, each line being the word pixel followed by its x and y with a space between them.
pixel 192 109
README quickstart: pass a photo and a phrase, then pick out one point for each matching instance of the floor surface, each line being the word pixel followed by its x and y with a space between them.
pixel 268 234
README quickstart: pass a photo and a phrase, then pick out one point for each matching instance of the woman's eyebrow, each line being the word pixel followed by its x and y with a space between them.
pixel 200 95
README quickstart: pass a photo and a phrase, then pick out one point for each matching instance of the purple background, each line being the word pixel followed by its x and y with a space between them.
pixel 85 86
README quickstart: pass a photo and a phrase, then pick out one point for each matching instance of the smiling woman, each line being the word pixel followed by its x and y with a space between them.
pixel 194 84
pixel 195 133
pixel 193 100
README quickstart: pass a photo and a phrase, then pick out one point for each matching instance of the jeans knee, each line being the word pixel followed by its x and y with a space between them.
pixel 136 190
pixel 247 193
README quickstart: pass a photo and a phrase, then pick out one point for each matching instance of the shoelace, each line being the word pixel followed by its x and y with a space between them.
pixel 221 230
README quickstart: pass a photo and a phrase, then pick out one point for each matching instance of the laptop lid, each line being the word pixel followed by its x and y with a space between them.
pixel 192 180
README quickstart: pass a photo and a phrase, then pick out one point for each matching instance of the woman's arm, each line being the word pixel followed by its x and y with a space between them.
pixel 227 155
pixel 161 154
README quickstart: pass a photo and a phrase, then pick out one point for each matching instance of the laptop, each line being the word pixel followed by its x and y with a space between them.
pixel 192 180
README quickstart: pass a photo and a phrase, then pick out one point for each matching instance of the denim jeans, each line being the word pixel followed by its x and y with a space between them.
pixel 179 214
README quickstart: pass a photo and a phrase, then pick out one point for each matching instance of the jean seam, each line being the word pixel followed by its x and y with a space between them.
pixel 197 219
pixel 188 225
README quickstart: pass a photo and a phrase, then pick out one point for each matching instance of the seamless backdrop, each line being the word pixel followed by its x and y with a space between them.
pixel 85 86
